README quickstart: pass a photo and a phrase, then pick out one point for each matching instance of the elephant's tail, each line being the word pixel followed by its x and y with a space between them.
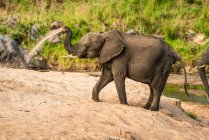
pixel 178 58
pixel 185 75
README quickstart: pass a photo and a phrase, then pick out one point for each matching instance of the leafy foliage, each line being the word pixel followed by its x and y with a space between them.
pixel 169 18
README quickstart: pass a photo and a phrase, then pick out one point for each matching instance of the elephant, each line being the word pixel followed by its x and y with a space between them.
pixel 145 59
pixel 201 63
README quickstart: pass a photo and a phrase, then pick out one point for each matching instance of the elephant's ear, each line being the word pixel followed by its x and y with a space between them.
pixel 112 46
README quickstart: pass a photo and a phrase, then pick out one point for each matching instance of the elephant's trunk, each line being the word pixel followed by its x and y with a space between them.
pixel 67 43
pixel 202 73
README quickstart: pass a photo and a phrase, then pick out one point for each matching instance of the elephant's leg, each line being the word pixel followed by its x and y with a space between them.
pixel 156 100
pixel 119 79
pixel 106 77
pixel 204 79
pixel 201 63
pixel 119 70
pixel 149 102
pixel 120 86
pixel 158 85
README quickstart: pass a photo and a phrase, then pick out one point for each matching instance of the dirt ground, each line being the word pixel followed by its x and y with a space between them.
pixel 58 106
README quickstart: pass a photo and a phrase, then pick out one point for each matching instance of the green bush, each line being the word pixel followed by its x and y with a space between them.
pixel 202 26
pixel 3 29
pixel 199 2
pixel 169 18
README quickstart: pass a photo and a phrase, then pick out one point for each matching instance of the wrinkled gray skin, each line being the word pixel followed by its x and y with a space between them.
pixel 11 55
pixel 144 59
pixel 201 63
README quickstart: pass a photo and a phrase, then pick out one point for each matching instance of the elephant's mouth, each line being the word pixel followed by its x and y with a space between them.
pixel 83 54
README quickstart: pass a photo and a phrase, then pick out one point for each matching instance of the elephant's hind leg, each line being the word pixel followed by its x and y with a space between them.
pixel 156 100
pixel 158 85
pixel 149 102
pixel 106 77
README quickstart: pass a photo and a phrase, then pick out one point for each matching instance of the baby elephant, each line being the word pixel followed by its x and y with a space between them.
pixel 146 59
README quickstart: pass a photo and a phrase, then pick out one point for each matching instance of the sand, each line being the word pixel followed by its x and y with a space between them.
pixel 58 106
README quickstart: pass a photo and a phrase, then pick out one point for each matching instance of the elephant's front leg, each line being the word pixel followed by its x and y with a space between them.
pixel 119 70
pixel 204 79
pixel 106 77
pixel 120 86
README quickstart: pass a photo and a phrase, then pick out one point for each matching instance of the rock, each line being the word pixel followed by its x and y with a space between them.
pixel 41 63
pixel 133 32
pixel 34 34
pixel 199 39
pixel 191 32
pixel 12 20
pixel 11 55
pixel 9 51
pixel 56 25
pixel 159 36
pixel 177 103
pixel 196 38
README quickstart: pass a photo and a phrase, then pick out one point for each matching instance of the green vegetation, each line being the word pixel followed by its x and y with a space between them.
pixel 169 18
pixel 192 115
pixel 177 91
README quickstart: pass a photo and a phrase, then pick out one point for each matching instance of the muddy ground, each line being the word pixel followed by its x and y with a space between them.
pixel 56 105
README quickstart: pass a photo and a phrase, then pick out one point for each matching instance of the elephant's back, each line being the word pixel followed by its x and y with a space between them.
pixel 145 47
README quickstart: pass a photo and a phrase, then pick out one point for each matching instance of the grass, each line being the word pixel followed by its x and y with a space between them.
pixel 177 91
pixel 192 115
pixel 169 18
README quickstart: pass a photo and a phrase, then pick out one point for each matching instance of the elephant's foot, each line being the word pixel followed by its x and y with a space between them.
pixel 96 99
pixel 124 102
pixel 147 105
pixel 154 108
